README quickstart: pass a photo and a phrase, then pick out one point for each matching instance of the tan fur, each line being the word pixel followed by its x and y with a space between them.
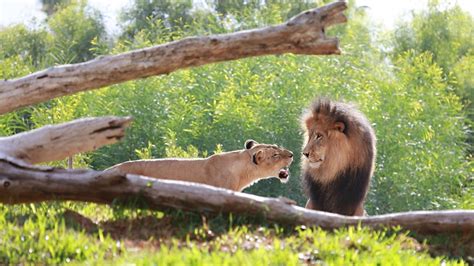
pixel 233 170
pixel 338 143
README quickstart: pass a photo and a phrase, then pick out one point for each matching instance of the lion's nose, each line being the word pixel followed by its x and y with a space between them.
pixel 306 154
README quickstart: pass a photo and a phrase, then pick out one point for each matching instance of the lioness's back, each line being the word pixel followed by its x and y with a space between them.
pixel 170 168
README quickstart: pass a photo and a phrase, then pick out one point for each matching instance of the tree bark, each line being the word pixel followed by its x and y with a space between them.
pixel 51 143
pixel 25 184
pixel 303 34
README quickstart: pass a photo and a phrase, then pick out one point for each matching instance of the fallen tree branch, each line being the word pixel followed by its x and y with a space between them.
pixel 25 184
pixel 51 143
pixel 303 34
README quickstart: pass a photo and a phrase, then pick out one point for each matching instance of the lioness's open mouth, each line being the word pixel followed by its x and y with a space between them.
pixel 284 174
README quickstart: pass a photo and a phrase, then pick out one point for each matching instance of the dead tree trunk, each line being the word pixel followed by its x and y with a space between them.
pixel 303 34
pixel 24 184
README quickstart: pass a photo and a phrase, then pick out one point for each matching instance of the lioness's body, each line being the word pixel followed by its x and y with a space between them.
pixel 233 170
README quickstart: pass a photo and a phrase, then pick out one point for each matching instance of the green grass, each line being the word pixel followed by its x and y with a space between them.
pixel 39 233
pixel 246 246
pixel 43 233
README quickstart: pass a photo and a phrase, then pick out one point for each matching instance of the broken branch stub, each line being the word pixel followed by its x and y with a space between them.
pixel 57 142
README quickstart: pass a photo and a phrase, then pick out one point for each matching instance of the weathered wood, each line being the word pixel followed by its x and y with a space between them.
pixel 303 34
pixel 25 184
pixel 57 142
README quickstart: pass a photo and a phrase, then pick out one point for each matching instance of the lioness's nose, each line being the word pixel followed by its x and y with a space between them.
pixel 306 154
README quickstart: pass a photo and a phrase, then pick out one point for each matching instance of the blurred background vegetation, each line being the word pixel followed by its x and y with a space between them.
pixel 415 83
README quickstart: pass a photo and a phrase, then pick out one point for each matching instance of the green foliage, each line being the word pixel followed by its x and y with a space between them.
pixel 74 33
pixel 51 6
pixel 416 153
pixel 174 151
pixel 448 34
pixel 74 29
pixel 462 72
pixel 142 14
pixel 30 45
pixel 287 9
pixel 10 67
pixel 145 153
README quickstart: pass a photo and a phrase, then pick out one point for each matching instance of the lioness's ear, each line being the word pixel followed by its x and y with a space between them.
pixel 339 126
pixel 250 143
pixel 257 157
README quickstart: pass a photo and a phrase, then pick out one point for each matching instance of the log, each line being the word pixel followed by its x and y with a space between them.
pixel 26 184
pixel 52 143
pixel 302 34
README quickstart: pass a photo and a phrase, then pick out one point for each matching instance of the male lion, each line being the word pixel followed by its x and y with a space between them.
pixel 233 170
pixel 339 157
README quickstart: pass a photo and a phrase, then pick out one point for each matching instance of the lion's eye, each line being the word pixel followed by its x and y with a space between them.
pixel 276 155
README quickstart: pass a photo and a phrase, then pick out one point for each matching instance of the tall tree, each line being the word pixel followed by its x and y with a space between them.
pixel 30 45
pixel 51 6
pixel 76 28
pixel 142 14
pixel 448 34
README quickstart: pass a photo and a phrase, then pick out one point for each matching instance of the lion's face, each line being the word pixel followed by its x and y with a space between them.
pixel 316 147
pixel 339 153
pixel 325 143
pixel 270 160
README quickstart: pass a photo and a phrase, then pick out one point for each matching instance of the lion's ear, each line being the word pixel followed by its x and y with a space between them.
pixel 340 126
pixel 307 120
pixel 250 143
pixel 257 157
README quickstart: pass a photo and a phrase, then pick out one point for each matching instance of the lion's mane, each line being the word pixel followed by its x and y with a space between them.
pixel 341 183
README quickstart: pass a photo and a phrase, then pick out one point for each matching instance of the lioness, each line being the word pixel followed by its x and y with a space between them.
pixel 233 170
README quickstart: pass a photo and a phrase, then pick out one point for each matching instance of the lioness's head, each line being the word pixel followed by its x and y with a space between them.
pixel 270 160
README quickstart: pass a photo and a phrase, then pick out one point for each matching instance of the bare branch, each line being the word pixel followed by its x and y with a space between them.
pixel 51 143
pixel 303 34
pixel 24 184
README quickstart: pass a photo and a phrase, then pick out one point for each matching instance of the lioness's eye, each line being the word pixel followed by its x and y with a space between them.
pixel 276 155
